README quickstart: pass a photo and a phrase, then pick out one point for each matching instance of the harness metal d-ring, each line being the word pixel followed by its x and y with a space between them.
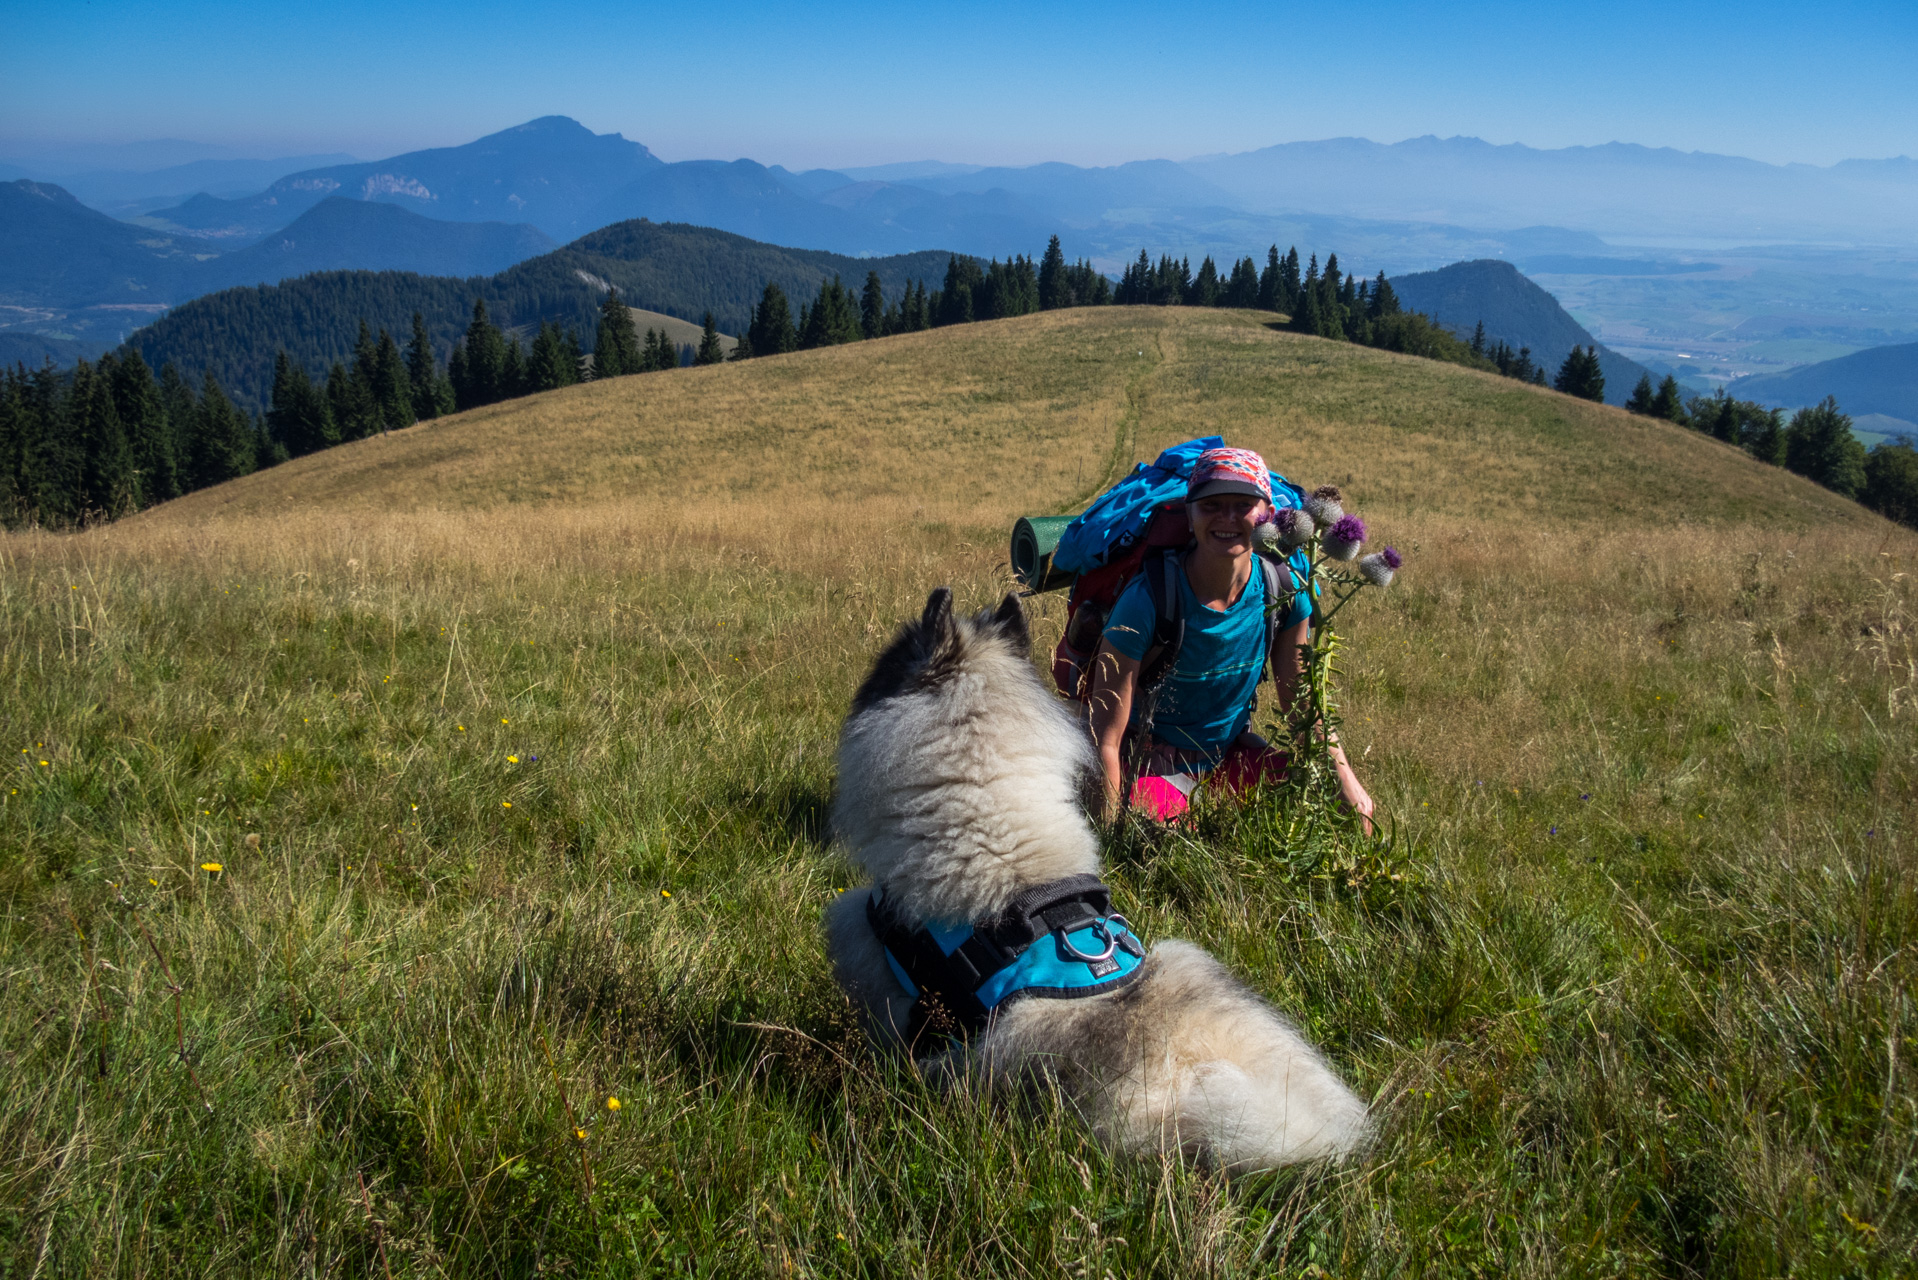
pixel 1073 953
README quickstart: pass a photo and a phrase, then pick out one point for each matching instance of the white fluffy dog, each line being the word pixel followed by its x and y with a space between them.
pixel 959 786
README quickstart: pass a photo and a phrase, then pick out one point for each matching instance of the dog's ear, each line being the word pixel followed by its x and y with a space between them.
pixel 935 624
pixel 1010 618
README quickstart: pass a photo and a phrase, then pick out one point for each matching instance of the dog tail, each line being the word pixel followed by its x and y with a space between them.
pixel 1254 1093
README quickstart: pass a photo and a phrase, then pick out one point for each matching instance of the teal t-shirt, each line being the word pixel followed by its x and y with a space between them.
pixel 1205 700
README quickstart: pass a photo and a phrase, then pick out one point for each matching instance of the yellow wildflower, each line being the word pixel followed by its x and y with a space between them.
pixel 612 1104
pixel 211 866
pixel 665 893
pixel 512 759
pixel 506 804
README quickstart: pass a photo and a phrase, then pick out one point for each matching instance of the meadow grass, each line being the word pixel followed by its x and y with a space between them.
pixel 533 721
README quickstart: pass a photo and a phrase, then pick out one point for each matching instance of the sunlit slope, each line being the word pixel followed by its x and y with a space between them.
pixel 983 422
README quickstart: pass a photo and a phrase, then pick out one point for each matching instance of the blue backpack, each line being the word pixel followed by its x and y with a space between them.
pixel 1139 526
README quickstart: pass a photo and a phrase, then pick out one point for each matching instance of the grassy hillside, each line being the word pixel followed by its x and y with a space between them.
pixel 532 713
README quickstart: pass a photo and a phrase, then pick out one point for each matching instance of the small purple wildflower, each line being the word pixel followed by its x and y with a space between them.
pixel 1585 795
pixel 1554 830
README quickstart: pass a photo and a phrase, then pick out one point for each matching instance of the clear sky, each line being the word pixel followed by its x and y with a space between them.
pixel 846 84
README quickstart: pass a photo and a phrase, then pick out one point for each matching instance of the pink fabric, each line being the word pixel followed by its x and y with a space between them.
pixel 1246 765
pixel 1231 464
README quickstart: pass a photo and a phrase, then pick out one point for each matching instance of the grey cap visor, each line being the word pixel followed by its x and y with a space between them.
pixel 1213 488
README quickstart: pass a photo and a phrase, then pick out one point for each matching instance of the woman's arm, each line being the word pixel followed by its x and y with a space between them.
pixel 1285 682
pixel 1114 678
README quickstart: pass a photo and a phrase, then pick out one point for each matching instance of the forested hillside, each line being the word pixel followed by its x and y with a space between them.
pixel 680 270
pixel 1514 310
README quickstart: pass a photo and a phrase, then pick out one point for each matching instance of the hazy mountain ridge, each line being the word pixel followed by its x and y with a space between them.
pixel 1878 380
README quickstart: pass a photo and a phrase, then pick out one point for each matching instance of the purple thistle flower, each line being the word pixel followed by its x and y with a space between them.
pixel 1393 560
pixel 1343 539
pixel 1378 568
pixel 1295 528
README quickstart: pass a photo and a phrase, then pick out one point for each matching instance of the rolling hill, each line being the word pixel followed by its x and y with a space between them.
pixel 1514 310
pixel 679 270
pixel 1878 380
pixel 470 789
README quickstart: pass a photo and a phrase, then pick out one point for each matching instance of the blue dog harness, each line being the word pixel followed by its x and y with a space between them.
pixel 1058 941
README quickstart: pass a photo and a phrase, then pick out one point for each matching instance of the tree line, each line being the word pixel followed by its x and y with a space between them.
pixel 110 438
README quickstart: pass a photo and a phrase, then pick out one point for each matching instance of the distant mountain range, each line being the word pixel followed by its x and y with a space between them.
pixel 1514 310
pixel 1878 380
pixel 73 272
pixel 1615 189
pixel 677 270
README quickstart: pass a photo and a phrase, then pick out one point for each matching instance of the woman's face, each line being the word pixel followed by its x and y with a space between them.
pixel 1223 523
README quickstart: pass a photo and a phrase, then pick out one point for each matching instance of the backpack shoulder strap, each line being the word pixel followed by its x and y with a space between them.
pixel 1162 572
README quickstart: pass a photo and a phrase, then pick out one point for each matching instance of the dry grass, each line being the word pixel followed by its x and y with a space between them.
pixel 1644 709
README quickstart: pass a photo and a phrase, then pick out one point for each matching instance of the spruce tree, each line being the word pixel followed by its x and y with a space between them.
pixel 1204 289
pixel 1820 446
pixel 298 418
pixel 1764 437
pixel 1291 283
pixel 1385 302
pixel 710 352
pixel 1053 289
pixel 543 368
pixel 616 342
pixel 575 358
pixel 772 332
pixel 422 373
pixel 1643 399
pixel 106 464
pixel 1580 376
pixel 1478 339
pixel 1271 282
pixel 392 387
pixel 222 444
pixel 156 476
pixel 54 463
pixel 872 308
pixel 1668 403
pixel 512 371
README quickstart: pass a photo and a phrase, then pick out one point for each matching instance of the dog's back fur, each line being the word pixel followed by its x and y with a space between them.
pixel 959 786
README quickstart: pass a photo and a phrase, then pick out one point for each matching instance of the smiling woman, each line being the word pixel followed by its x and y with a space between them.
pixel 1191 720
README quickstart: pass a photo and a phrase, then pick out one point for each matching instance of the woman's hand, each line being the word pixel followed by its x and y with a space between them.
pixel 1352 789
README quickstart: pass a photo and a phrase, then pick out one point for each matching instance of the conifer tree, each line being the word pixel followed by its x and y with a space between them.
pixel 831 319
pixel 1668 403
pixel 106 465
pixel 149 437
pixel 1270 281
pixel 963 277
pixel 772 332
pixel 392 388
pixel 1204 289
pixel 1290 281
pixel 1054 292
pixel 422 373
pixel 1385 302
pixel 872 307
pixel 710 352
pixel 616 341
pixel 222 443
pixel 1580 375
pixel 1642 399
pixel 743 348
pixel 575 358
pixel 512 371
pixel 298 418
pixel 1478 339
pixel 52 466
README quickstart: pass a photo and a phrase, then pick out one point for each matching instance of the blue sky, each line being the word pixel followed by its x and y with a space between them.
pixel 849 83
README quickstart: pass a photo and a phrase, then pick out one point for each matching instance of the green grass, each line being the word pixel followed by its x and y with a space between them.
pixel 1642 1005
